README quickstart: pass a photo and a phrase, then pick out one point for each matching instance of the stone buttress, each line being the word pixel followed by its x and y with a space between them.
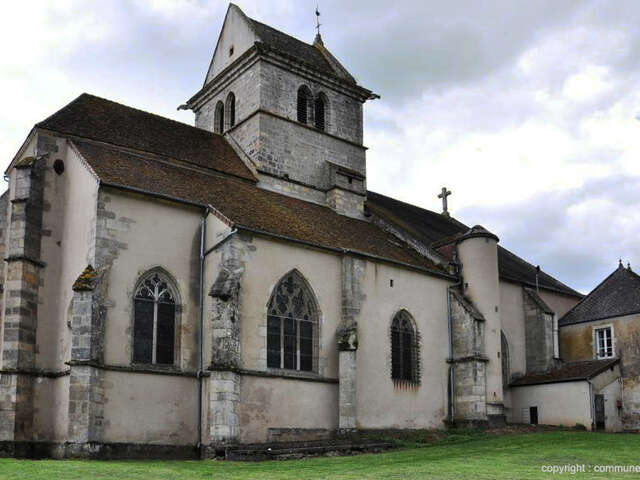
pixel 222 425
pixel 86 385
pixel 467 361
pixel 21 284
pixel 352 297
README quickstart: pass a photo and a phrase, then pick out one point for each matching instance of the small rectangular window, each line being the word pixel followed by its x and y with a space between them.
pixel 604 343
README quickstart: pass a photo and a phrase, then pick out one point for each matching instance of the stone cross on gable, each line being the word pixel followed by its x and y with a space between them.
pixel 445 193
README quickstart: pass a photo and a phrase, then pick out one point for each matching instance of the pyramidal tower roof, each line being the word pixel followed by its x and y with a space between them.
pixel 617 295
pixel 315 55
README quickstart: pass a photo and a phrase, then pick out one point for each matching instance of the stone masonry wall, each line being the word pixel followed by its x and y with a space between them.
pixel 538 337
pixel 353 296
pixel 468 362
pixel 21 286
pixel 286 148
pixel 226 355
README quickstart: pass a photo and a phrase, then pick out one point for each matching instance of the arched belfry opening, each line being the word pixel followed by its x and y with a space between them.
pixel 218 118
pixel 230 109
pixel 305 105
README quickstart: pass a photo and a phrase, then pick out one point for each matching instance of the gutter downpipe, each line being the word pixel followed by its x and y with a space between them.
pixel 452 387
pixel 200 374
pixel 592 408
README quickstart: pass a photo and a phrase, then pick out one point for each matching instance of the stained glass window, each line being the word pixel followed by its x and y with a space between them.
pixel 154 322
pixel 291 325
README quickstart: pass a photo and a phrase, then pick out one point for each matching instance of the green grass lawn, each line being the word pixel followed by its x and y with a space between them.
pixel 468 455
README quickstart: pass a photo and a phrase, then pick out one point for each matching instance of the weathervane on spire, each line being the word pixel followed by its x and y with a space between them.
pixel 318 24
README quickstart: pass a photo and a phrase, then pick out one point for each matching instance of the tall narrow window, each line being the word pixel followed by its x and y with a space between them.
pixel 230 108
pixel 320 112
pixel 604 342
pixel 505 359
pixel 218 118
pixel 556 341
pixel 292 325
pixel 405 359
pixel 304 100
pixel 154 321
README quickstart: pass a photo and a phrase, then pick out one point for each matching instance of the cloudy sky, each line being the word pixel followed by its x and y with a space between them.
pixel 528 110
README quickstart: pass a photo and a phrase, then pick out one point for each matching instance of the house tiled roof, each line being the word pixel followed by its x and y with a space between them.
pixel 99 119
pixel 432 228
pixel 567 372
pixel 246 205
pixel 617 295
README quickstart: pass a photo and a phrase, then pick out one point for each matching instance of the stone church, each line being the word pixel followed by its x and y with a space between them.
pixel 171 289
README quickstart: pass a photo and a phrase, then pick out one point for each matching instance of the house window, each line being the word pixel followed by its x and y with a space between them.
pixel 304 101
pixel 218 118
pixel 292 325
pixel 604 342
pixel 320 112
pixel 230 108
pixel 405 360
pixel 154 321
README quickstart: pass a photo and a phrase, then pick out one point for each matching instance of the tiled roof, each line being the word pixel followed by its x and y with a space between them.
pixel 430 227
pixel 617 295
pixel 567 372
pixel 304 52
pixel 246 205
pixel 99 119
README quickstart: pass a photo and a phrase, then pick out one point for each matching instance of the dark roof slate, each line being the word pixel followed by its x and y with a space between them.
pixel 96 118
pixel 301 51
pixel 246 205
pixel 567 372
pixel 616 296
pixel 431 227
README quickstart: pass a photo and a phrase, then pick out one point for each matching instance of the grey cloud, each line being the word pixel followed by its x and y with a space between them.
pixel 580 252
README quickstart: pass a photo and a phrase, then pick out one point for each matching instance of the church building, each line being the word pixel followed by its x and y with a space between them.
pixel 173 290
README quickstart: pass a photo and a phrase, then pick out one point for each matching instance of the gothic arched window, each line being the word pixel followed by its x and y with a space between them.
pixel 305 104
pixel 504 356
pixel 292 325
pixel 405 354
pixel 154 324
pixel 230 108
pixel 218 118
pixel 321 111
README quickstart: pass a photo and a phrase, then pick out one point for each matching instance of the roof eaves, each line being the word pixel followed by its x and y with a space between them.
pixel 287 238
pixel 604 367
pixel 597 319
pixel 26 141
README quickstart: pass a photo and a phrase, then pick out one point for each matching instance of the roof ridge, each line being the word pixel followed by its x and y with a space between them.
pixel 262 24
pixel 553 283
pixel 157 157
pixel 584 299
pixel 113 102
pixel 449 218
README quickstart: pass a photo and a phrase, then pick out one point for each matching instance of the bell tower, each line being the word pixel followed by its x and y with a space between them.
pixel 291 110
